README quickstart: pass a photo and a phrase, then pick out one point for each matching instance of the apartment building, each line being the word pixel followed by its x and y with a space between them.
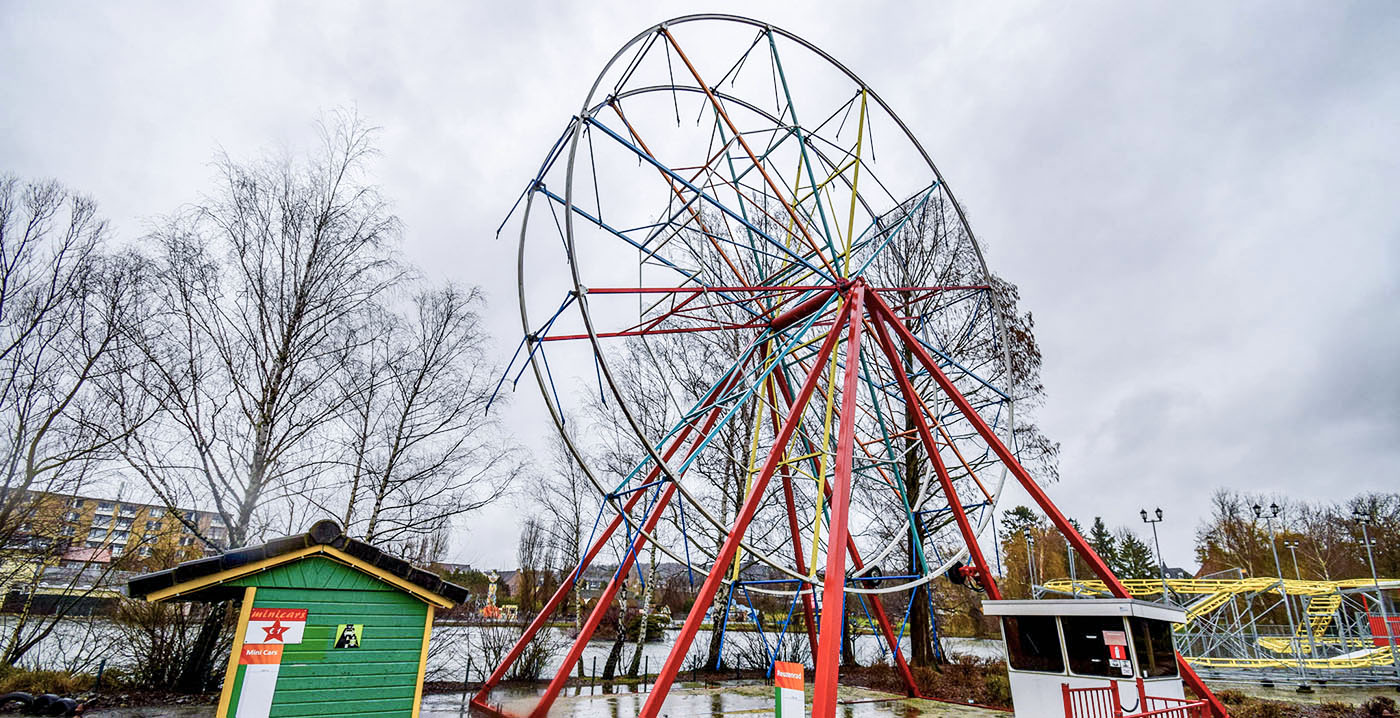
pixel 119 528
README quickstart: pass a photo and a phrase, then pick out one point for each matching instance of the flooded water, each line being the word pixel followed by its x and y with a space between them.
pixel 457 649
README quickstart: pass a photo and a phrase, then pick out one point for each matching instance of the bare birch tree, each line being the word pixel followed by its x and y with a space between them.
pixel 421 448
pixel 65 308
pixel 261 291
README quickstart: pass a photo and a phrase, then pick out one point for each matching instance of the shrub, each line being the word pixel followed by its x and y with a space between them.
pixel 1379 706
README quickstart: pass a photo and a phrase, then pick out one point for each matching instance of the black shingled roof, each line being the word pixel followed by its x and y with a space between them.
pixel 322 533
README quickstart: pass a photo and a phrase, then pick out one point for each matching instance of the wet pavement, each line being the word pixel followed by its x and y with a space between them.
pixel 695 700
pixel 687 700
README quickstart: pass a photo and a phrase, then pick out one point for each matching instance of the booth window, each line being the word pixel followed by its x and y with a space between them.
pixel 1033 643
pixel 1153 642
pixel 1084 642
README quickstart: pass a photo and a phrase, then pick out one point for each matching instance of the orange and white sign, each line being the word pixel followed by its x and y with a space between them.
pixel 788 690
pixel 261 663
pixel 275 625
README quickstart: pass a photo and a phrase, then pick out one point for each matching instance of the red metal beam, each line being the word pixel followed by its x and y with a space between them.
pixel 778 193
pixel 828 658
pixel 773 288
pixel 563 591
pixel 595 617
pixel 808 608
pixel 667 676
pixel 915 405
pixel 886 629
pixel 801 311
pixel 1008 459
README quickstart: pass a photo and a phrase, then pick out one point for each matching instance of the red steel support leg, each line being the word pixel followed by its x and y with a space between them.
pixel 1027 482
pixel 828 658
pixel 880 616
pixel 672 666
pixel 562 593
pixel 915 404
pixel 800 563
pixel 551 692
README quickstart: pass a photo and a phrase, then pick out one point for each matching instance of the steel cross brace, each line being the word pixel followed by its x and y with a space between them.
pixel 1008 459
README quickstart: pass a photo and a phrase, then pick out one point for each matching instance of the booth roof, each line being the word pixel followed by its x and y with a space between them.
pixel 203 583
pixel 1086 607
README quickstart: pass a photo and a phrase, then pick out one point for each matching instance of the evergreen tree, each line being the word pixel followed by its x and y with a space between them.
pixel 1105 545
pixel 1016 520
pixel 1135 556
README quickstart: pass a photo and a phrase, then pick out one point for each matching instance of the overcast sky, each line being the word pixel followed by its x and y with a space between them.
pixel 1197 200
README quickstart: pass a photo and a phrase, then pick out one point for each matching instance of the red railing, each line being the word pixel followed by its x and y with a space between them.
pixel 1102 702
pixel 1092 702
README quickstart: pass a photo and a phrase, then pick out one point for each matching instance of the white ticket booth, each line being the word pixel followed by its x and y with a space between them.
pixel 1085 644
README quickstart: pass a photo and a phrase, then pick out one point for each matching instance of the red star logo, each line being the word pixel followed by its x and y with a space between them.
pixel 275 631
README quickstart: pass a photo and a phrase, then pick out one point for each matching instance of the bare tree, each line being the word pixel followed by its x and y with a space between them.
pixel 570 500
pixel 261 291
pixel 421 449
pixel 263 288
pixel 65 312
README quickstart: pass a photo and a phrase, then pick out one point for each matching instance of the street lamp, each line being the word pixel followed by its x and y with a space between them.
pixel 1365 520
pixel 1161 563
pixel 1292 547
pixel 1283 593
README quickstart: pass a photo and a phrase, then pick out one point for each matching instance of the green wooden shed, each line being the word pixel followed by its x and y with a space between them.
pixel 328 625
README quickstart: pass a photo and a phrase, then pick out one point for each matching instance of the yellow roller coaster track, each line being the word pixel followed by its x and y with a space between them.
pixel 1215 592
pixel 1324 598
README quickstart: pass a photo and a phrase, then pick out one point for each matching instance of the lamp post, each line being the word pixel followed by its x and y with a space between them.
pixel 1030 559
pixel 1365 520
pixel 1161 563
pixel 1292 547
pixel 1073 579
pixel 1283 594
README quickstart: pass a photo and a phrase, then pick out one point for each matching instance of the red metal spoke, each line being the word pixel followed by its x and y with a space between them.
pixel 777 192
pixel 562 593
pixel 667 676
pixel 1091 557
pixel 912 401
pixel 694 213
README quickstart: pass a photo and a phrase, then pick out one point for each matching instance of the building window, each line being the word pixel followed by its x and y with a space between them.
pixel 1086 641
pixel 100 522
pixel 1152 640
pixel 120 536
pixel 117 551
pixel 156 512
pixel 105 507
pixel 152 525
pixel 94 544
pixel 76 503
pixel 124 524
pixel 67 531
pixel 145 552
pixel 187 541
pixel 71 516
pixel 1033 643
pixel 129 511
pixel 97 535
